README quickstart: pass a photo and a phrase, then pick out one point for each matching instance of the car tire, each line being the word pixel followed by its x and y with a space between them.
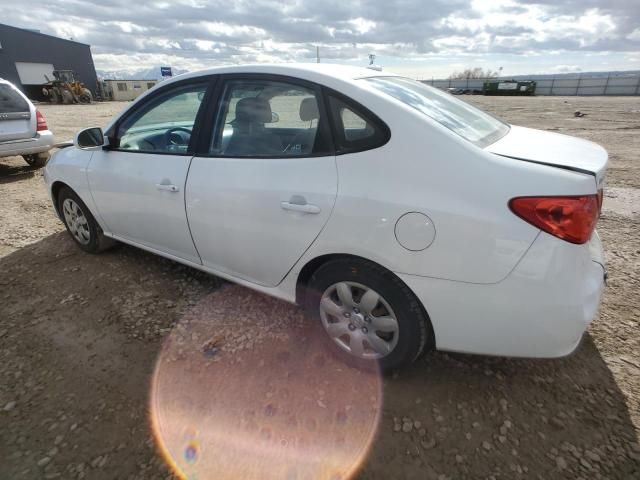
pixel 67 97
pixel 86 96
pixel 81 224
pixel 37 160
pixel 54 97
pixel 413 331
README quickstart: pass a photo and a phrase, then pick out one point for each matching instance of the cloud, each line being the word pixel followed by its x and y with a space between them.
pixel 193 34
pixel 566 68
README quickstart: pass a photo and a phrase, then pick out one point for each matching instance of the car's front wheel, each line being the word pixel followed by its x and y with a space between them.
pixel 368 313
pixel 80 223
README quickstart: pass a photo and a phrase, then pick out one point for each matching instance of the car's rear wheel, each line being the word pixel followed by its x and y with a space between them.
pixel 36 159
pixel 368 313
pixel 80 223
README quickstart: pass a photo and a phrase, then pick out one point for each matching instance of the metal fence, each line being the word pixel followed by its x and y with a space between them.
pixel 609 85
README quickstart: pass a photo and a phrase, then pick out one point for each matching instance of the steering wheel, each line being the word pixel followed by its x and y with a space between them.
pixel 169 139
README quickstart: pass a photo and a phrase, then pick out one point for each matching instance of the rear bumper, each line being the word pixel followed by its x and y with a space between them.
pixel 42 142
pixel 540 310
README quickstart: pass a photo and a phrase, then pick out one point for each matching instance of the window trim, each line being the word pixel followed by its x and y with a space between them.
pixel 113 133
pixel 341 144
pixel 212 124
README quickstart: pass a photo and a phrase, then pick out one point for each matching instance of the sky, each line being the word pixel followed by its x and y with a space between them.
pixel 418 38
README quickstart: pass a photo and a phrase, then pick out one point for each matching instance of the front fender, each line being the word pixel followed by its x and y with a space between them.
pixel 69 167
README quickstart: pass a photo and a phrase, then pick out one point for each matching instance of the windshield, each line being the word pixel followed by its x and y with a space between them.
pixel 467 121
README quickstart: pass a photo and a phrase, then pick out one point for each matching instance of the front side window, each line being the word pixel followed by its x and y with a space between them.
pixel 469 122
pixel 165 124
pixel 265 118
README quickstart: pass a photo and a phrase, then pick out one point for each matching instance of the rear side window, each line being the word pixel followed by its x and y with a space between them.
pixel 356 129
pixel 264 118
pixel 11 101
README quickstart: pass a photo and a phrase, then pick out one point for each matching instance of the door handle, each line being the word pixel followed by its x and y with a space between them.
pixel 298 206
pixel 167 187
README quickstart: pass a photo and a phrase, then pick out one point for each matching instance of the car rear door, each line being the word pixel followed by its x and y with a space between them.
pixel 138 184
pixel 264 187
pixel 15 115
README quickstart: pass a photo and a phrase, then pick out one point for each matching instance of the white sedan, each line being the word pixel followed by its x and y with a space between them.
pixel 401 217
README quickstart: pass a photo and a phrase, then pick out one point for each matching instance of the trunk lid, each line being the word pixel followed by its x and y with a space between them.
pixel 15 115
pixel 553 149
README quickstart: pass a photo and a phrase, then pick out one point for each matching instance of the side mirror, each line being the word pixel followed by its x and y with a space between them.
pixel 89 138
pixel 275 118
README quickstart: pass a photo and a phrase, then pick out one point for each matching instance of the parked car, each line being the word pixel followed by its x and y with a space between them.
pixel 400 217
pixel 23 129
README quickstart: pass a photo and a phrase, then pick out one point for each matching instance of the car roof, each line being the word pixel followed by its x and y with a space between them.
pixel 310 71
pixel 331 75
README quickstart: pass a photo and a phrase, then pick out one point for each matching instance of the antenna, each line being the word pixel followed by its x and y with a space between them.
pixel 317 54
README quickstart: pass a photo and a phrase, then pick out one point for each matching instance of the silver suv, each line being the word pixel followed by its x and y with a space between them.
pixel 23 129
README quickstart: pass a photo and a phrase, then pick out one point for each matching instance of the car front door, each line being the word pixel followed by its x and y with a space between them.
pixel 138 183
pixel 267 185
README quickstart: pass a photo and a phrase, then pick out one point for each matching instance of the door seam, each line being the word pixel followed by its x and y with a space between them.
pixel 186 214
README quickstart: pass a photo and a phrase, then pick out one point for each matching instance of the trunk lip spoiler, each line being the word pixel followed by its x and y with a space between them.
pixel 555 165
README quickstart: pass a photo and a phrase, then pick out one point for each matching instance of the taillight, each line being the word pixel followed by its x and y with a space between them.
pixel 41 122
pixel 569 218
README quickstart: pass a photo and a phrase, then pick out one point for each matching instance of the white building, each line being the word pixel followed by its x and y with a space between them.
pixel 126 90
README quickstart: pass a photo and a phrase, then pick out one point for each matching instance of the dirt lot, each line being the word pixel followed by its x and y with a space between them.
pixel 89 345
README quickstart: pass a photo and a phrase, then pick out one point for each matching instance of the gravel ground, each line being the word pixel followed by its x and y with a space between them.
pixel 96 351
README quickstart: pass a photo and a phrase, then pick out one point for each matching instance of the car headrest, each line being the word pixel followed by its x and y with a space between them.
pixel 253 110
pixel 309 109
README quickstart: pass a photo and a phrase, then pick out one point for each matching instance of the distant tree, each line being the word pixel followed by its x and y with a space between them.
pixel 476 72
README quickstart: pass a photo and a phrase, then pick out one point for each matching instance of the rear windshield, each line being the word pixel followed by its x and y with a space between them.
pixel 11 101
pixel 466 120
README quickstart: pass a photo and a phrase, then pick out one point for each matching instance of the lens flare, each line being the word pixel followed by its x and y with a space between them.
pixel 247 387
pixel 191 452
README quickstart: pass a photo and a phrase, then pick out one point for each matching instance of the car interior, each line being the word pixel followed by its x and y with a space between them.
pixel 159 138
pixel 253 131
pixel 274 120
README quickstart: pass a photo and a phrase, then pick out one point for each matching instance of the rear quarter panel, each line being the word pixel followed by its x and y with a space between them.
pixel 463 189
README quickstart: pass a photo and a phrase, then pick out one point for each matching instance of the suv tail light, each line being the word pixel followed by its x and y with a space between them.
pixel 41 122
pixel 570 218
